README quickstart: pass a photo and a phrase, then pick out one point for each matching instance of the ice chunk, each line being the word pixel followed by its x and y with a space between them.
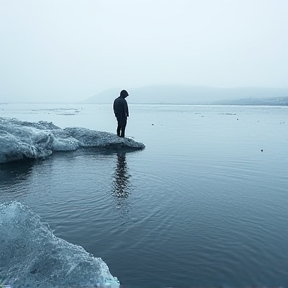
pixel 32 256
pixel 20 140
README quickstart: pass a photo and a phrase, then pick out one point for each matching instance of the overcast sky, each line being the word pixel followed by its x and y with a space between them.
pixel 69 50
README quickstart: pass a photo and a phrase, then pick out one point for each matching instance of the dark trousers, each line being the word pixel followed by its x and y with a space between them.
pixel 121 126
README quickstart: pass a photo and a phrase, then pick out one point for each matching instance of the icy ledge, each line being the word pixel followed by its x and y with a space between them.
pixel 21 140
pixel 32 256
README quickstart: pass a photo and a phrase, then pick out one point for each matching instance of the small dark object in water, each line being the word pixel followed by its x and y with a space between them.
pixel 261 150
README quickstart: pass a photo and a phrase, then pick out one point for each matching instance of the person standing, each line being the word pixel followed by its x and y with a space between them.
pixel 121 112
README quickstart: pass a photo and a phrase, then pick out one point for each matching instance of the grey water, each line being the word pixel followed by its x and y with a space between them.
pixel 205 204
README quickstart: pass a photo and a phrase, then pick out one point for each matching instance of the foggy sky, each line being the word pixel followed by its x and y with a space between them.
pixel 68 50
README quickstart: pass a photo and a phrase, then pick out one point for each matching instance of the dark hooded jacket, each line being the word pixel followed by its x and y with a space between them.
pixel 120 107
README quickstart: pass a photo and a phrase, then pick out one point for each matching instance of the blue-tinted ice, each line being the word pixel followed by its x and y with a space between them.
pixel 21 140
pixel 32 256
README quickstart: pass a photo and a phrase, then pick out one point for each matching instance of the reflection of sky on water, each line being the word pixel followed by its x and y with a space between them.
pixel 210 172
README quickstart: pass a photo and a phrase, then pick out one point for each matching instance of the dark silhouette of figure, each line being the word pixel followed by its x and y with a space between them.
pixel 121 112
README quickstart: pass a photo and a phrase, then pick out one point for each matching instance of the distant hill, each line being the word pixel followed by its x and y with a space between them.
pixel 180 94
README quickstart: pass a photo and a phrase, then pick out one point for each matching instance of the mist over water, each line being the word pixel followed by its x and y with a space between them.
pixel 203 205
pixel 71 50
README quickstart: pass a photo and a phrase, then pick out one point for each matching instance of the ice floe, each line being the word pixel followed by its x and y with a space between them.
pixel 20 140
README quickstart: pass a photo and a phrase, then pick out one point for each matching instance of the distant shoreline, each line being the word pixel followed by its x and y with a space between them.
pixel 220 103
pixel 193 95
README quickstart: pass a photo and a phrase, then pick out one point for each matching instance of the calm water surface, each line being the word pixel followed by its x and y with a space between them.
pixel 202 205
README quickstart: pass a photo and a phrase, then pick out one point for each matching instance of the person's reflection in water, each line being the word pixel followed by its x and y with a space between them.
pixel 121 183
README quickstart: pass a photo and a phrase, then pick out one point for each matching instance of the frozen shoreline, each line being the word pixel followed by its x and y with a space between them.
pixel 20 140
